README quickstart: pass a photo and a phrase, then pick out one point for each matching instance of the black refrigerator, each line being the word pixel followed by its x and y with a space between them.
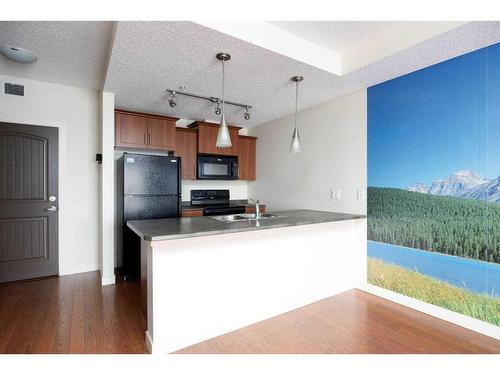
pixel 151 190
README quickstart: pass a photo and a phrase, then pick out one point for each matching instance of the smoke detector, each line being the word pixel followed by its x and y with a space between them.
pixel 17 54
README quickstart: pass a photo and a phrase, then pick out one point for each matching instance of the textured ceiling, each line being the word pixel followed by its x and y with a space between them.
pixel 338 36
pixel 148 57
pixel 69 53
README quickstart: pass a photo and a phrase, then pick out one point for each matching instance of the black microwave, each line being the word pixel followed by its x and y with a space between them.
pixel 217 167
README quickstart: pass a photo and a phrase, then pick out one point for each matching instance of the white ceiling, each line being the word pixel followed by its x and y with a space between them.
pixel 148 57
pixel 317 43
pixel 338 36
pixel 69 53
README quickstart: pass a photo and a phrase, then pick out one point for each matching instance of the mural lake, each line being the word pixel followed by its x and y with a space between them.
pixel 476 276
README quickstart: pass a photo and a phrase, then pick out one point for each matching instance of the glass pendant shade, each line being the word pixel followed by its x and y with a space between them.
pixel 223 137
pixel 295 145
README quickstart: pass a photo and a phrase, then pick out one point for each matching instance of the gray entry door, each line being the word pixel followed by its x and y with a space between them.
pixel 28 201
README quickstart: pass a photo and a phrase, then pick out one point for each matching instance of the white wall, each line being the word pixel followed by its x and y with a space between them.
pixel 333 158
pixel 75 112
pixel 107 230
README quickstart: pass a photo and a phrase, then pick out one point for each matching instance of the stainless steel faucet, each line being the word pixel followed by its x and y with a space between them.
pixel 257 207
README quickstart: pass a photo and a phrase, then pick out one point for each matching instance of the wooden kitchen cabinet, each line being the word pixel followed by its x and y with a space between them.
pixel 207 139
pixel 235 141
pixel 193 213
pixel 251 210
pixel 161 134
pixel 155 132
pixel 139 130
pixel 186 147
pixel 130 130
pixel 246 158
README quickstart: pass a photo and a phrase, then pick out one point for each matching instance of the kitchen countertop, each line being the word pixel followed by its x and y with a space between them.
pixel 187 227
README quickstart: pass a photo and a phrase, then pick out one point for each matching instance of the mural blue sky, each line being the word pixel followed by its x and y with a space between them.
pixel 410 117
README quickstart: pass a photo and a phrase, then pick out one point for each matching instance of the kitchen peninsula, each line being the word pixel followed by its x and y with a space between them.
pixel 203 277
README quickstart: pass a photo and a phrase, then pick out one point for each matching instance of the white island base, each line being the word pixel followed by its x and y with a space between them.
pixel 202 287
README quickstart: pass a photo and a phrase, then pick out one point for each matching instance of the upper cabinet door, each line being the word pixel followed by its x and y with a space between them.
pixel 235 141
pixel 207 138
pixel 246 158
pixel 185 147
pixel 131 130
pixel 161 134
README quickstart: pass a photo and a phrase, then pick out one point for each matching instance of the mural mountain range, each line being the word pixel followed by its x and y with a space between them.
pixel 463 184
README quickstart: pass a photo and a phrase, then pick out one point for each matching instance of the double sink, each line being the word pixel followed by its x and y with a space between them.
pixel 244 217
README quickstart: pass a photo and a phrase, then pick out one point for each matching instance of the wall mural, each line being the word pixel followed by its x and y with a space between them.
pixel 434 184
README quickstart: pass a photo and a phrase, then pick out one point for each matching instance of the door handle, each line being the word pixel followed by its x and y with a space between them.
pixel 51 208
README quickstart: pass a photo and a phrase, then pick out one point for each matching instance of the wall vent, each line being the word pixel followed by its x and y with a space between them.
pixel 14 89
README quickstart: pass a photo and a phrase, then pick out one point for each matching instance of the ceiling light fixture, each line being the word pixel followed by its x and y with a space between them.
pixel 246 116
pixel 17 54
pixel 217 108
pixel 171 99
pixel 223 136
pixel 295 146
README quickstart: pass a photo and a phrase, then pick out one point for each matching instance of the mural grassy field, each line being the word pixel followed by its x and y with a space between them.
pixel 416 285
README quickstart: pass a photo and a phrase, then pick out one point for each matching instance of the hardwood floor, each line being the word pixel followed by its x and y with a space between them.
pixel 71 314
pixel 352 322
pixel 74 314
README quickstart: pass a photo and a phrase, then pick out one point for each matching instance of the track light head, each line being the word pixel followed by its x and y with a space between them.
pixel 218 110
pixel 246 116
pixel 171 100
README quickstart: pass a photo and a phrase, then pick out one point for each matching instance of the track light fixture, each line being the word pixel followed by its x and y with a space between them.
pixel 171 99
pixel 220 103
pixel 218 110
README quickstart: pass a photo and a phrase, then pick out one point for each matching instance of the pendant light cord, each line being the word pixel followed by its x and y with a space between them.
pixel 222 87
pixel 296 101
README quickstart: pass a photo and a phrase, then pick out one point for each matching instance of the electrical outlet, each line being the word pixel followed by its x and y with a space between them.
pixel 335 193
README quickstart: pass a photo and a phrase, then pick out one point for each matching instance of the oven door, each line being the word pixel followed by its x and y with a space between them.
pixel 217 168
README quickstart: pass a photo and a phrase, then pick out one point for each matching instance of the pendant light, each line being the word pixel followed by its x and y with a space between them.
pixel 223 137
pixel 295 145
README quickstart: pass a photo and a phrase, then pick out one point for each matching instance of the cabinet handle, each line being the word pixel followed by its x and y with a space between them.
pixel 149 138
pixel 144 138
